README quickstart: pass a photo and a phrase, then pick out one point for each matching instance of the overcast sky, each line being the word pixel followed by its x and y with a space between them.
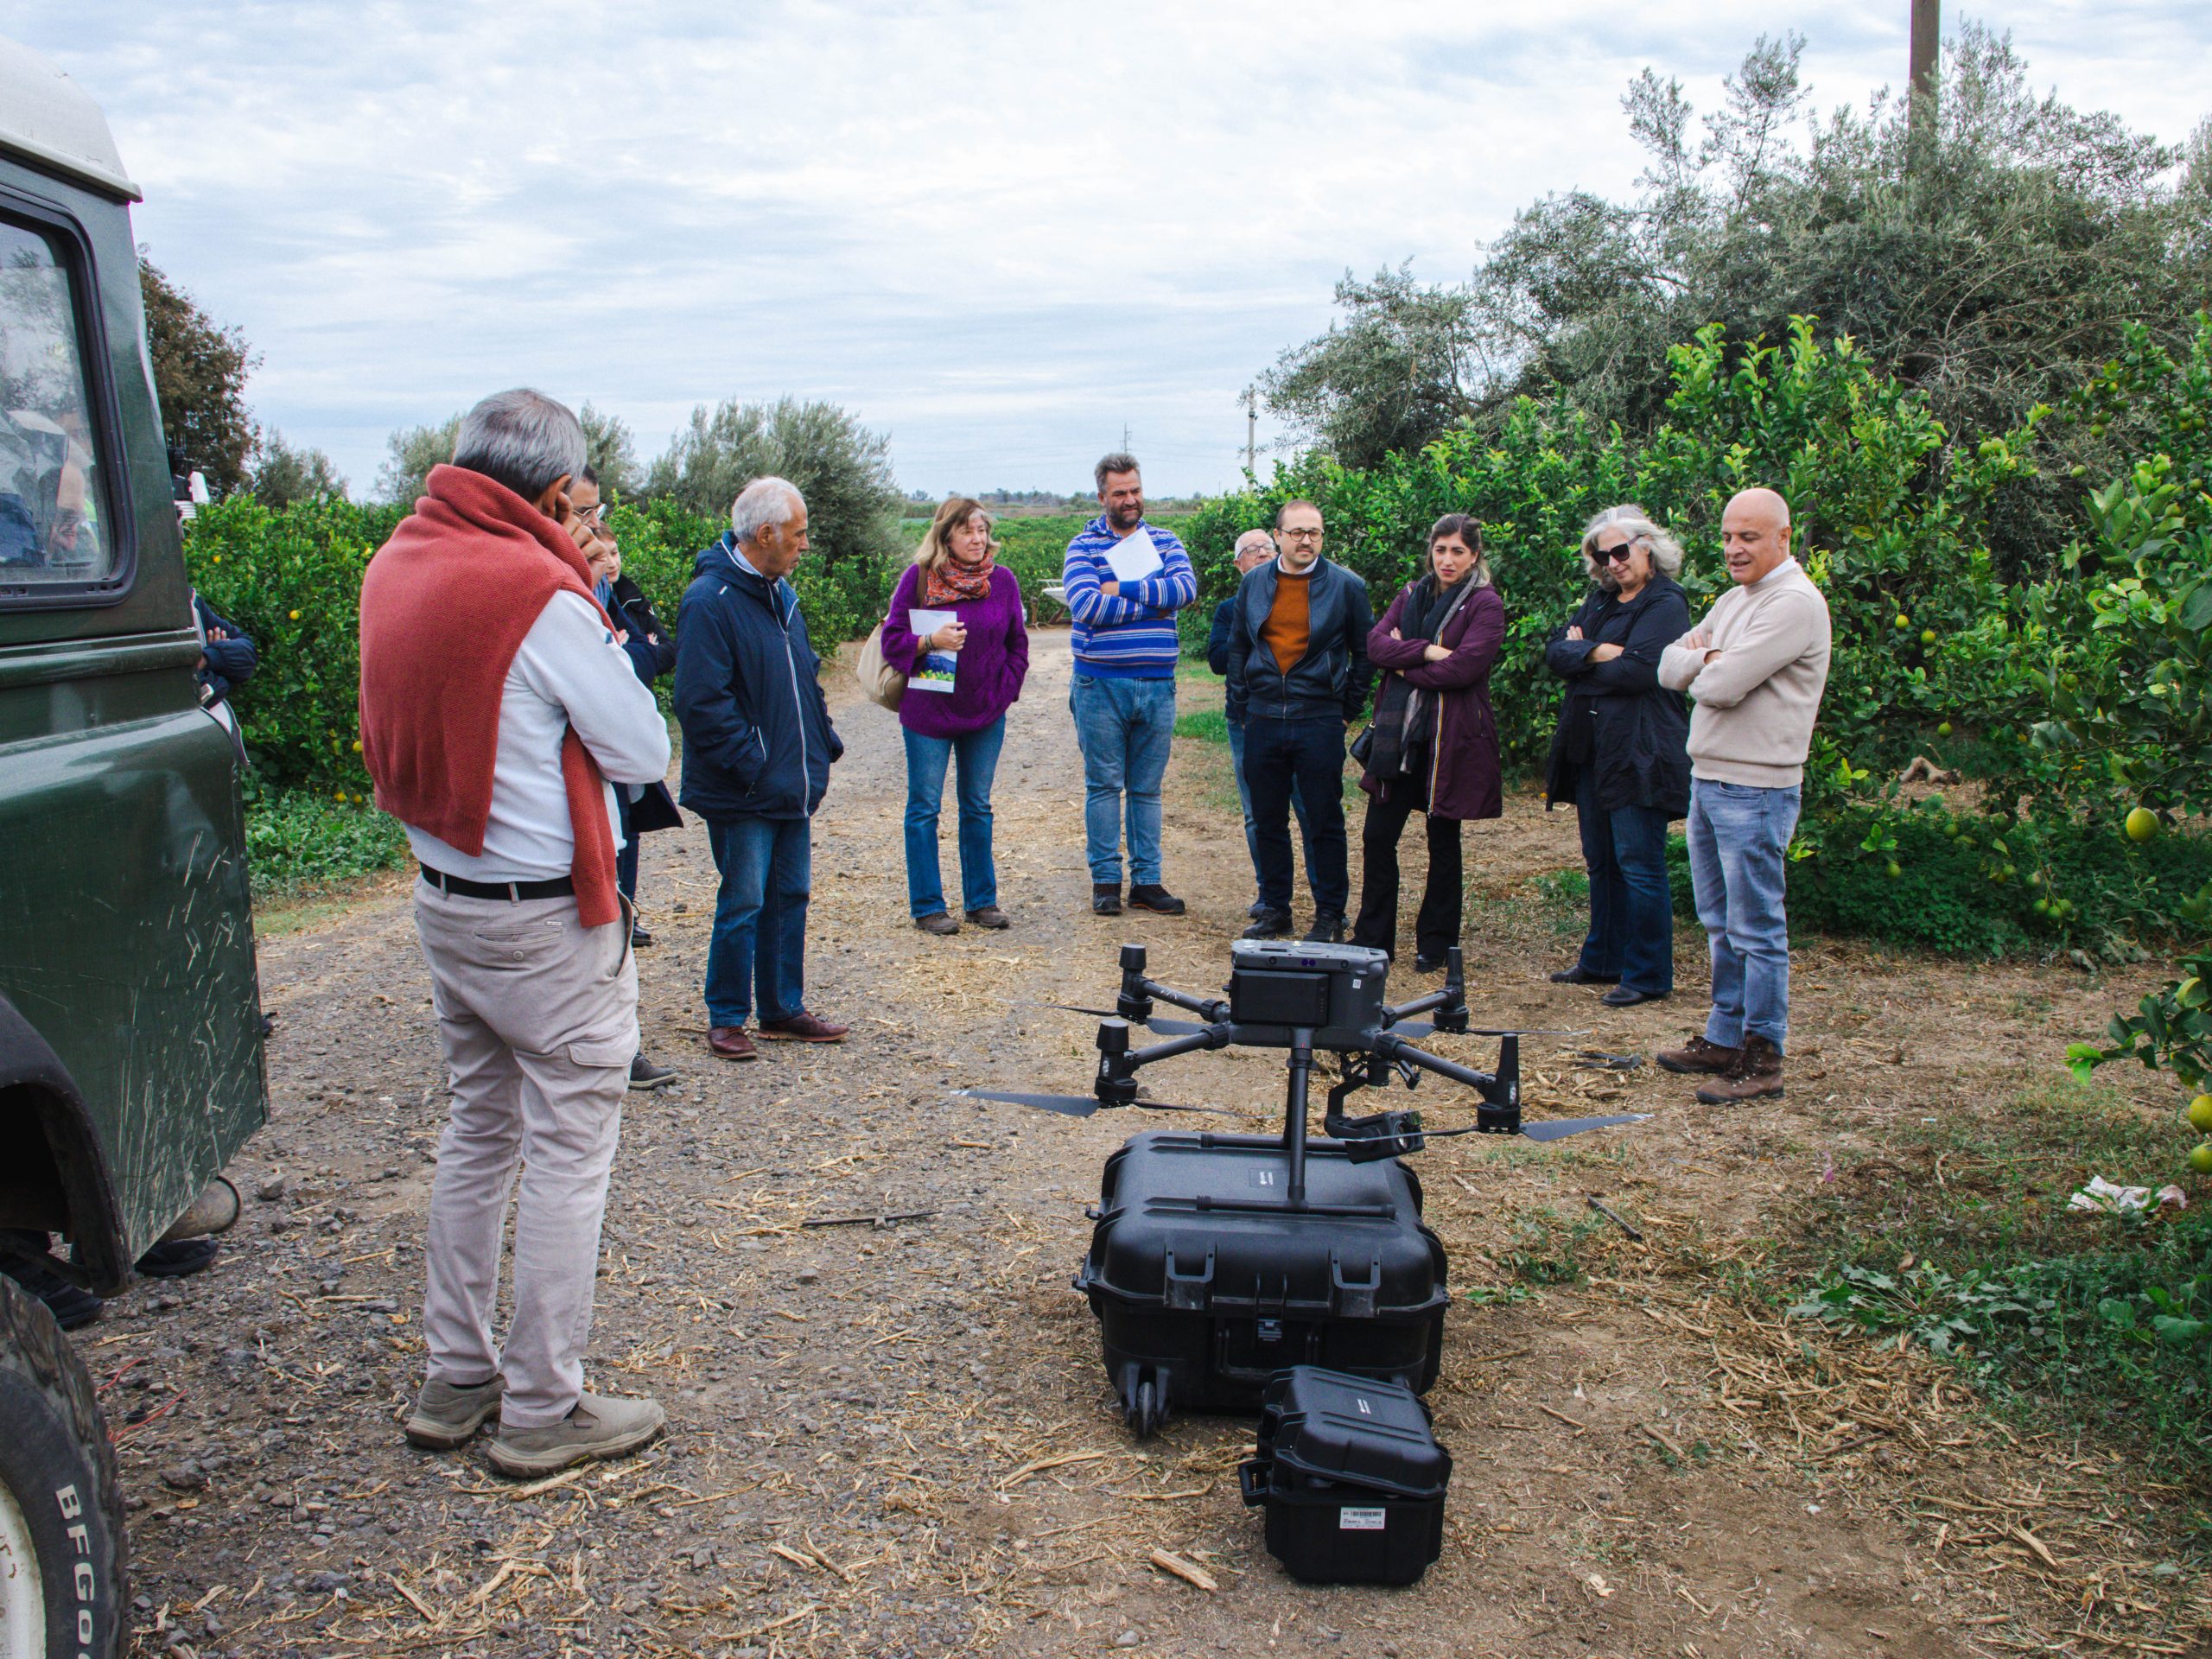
pixel 1000 233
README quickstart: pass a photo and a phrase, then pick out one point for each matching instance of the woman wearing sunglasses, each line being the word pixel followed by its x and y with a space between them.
pixel 1621 754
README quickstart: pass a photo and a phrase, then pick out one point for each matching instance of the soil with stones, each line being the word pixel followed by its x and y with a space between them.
pixel 897 1438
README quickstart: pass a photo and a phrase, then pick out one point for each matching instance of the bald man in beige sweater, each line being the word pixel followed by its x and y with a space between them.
pixel 1754 670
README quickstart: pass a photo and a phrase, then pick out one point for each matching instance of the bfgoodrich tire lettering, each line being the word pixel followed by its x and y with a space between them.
pixel 58 1467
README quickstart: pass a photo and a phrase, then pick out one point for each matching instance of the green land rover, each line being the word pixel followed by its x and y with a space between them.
pixel 130 1059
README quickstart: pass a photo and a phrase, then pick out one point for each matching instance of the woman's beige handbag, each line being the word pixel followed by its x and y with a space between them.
pixel 881 683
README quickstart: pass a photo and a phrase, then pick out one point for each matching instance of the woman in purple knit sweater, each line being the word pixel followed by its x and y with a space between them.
pixel 987 644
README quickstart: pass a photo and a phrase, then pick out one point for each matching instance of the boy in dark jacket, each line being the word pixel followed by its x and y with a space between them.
pixel 1253 549
pixel 227 657
pixel 757 748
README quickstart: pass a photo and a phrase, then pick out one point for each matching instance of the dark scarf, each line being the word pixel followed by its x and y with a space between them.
pixel 1405 715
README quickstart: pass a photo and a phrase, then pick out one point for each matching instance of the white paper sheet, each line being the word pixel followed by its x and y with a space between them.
pixel 1134 557
pixel 937 670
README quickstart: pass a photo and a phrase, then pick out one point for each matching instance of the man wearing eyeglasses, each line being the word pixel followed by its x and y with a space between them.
pixel 1298 677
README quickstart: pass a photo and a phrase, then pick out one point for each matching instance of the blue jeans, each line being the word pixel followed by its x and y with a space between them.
pixel 1309 755
pixel 926 760
pixel 1632 911
pixel 1738 834
pixel 1244 799
pixel 760 936
pixel 1125 728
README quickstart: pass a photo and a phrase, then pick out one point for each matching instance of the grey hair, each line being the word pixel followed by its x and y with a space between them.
pixel 521 439
pixel 1116 462
pixel 1261 531
pixel 763 502
pixel 1665 552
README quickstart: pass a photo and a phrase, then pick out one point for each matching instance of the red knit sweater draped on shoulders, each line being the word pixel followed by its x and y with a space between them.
pixel 445 604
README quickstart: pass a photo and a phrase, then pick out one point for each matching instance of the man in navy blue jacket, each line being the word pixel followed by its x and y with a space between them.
pixel 757 748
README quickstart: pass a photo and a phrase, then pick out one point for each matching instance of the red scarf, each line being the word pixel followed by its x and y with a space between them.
pixel 949 581
pixel 445 604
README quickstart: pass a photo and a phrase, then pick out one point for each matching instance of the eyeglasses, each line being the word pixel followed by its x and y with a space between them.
pixel 1313 535
pixel 589 515
pixel 1615 554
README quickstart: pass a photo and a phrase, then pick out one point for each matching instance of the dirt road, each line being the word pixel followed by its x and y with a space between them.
pixel 898 1440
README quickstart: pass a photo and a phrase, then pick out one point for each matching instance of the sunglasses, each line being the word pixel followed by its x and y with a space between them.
pixel 1614 555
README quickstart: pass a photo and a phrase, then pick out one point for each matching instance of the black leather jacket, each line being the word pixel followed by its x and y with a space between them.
pixel 1330 680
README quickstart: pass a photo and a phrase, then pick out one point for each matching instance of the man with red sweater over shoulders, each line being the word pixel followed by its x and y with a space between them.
pixel 497 708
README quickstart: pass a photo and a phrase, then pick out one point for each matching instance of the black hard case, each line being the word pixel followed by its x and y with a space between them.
pixel 1350 1477
pixel 1204 1286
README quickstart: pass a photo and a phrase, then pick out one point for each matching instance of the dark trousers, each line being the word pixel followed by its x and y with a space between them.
pixel 1631 911
pixel 1311 754
pixel 626 861
pixel 1436 929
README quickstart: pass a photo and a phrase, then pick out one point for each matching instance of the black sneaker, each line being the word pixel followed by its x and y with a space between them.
pixel 1272 924
pixel 1328 928
pixel 644 1074
pixel 1105 897
pixel 638 938
pixel 1154 897
pixel 1428 964
pixel 1258 909
pixel 71 1305
pixel 181 1260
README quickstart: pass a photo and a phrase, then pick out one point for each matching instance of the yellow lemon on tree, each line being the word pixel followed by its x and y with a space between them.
pixel 1904 622
pixel 1927 636
pixel 2142 824
pixel 2200 1157
pixel 295 616
pixel 2200 1113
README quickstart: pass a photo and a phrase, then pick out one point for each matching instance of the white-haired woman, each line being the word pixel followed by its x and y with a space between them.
pixel 1621 753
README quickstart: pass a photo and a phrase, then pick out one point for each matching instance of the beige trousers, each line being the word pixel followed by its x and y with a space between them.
pixel 538 1018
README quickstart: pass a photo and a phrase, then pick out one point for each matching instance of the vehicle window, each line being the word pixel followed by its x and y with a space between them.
pixel 52 490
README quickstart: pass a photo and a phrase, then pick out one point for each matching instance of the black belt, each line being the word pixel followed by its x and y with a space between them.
pixel 561 886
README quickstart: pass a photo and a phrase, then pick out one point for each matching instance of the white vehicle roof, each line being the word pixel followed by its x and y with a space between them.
pixel 47 118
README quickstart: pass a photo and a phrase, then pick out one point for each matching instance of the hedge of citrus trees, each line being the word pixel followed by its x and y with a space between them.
pixel 2069 693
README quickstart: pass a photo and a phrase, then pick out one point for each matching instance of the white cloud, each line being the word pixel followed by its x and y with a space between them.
pixel 999 231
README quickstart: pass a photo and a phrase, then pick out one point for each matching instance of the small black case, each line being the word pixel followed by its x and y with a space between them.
pixel 1350 1477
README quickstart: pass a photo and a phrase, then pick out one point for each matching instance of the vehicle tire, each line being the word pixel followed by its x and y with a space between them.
pixel 61 1545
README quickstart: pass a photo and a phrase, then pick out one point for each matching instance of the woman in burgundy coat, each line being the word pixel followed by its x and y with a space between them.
pixel 1433 747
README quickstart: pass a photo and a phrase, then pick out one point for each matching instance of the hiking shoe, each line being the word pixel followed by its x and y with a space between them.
pixel 1154 897
pixel 989 916
pixel 1697 1056
pixel 72 1306
pixel 1756 1074
pixel 1272 924
pixel 447 1415
pixel 597 1427
pixel 1328 928
pixel 1255 910
pixel 802 1028
pixel 644 1074
pixel 731 1043
pixel 1579 975
pixel 938 923
pixel 176 1260
pixel 1105 897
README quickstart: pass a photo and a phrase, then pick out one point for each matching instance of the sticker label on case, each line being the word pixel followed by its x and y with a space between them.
pixel 1360 1520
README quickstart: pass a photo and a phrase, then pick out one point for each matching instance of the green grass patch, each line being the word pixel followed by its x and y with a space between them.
pixel 299 841
pixel 1957 1239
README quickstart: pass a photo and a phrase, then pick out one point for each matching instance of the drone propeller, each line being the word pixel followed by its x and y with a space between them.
pixel 1557 1128
pixel 1078 1105
pixel 1166 1027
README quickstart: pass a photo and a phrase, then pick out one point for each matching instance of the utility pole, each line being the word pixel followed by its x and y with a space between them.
pixel 1251 402
pixel 1926 80
pixel 1125 437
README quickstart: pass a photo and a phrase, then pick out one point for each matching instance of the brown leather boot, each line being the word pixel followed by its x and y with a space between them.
pixel 1706 1059
pixel 731 1043
pixel 1756 1074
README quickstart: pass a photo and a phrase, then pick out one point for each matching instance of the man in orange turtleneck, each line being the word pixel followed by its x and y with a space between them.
pixel 1299 675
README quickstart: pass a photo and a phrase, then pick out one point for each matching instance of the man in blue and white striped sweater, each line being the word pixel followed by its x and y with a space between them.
pixel 1123 696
